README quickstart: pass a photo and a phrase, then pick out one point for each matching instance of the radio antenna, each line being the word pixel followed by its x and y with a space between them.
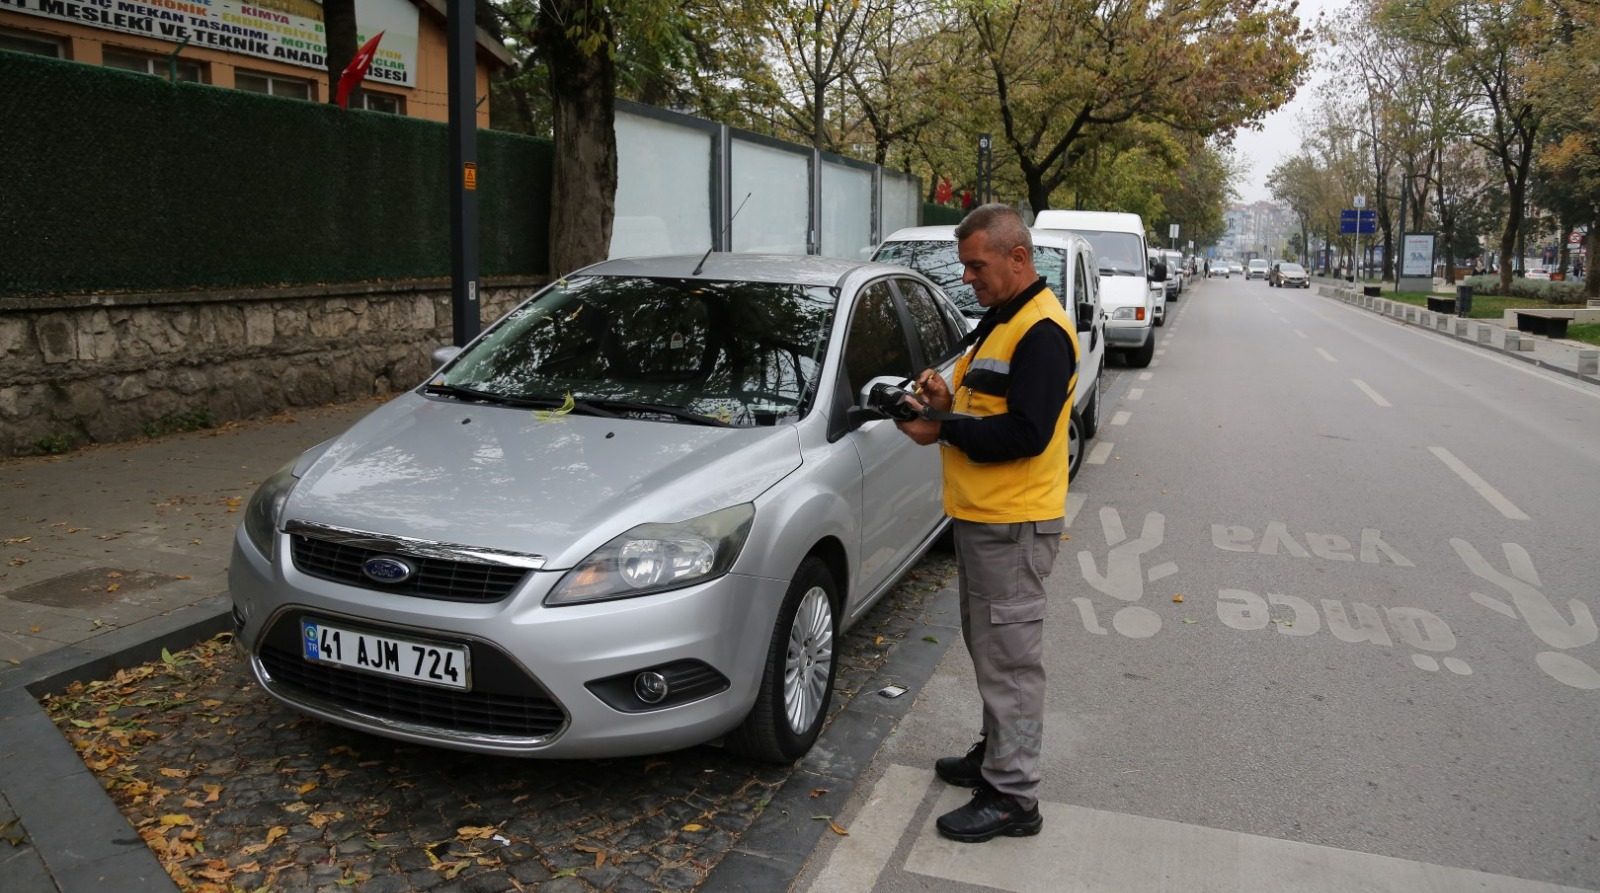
pixel 724 234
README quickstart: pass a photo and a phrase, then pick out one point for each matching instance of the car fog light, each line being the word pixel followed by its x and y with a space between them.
pixel 650 687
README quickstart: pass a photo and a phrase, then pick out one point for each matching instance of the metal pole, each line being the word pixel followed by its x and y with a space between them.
pixel 1405 187
pixel 463 86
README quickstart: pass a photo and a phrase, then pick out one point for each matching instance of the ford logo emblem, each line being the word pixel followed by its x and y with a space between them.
pixel 387 570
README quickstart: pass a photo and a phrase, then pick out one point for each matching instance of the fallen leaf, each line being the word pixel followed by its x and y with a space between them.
pixel 693 826
pixel 172 819
pixel 1177 599
pixel 877 641
pixel 183 577
pixel 818 792
pixel 114 574
pixel 18 562
pixel 476 832
pixel 35 628
pixel 599 859
pixel 930 639
pixel 306 788
pixel 835 828
pixel 275 832
pixel 1187 620
pixel 233 503
pixel 1065 537
pixel 18 540
pixel 175 773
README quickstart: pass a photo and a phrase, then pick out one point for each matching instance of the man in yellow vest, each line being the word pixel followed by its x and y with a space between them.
pixel 1005 487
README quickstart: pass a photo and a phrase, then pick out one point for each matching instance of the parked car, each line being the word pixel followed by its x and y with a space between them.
pixel 1288 274
pixel 1174 283
pixel 1067 263
pixel 1132 283
pixel 1257 269
pixel 632 516
pixel 1218 270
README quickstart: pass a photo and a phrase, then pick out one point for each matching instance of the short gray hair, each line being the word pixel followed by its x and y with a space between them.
pixel 1003 224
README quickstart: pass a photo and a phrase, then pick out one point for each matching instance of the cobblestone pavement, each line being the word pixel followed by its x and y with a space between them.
pixel 234 791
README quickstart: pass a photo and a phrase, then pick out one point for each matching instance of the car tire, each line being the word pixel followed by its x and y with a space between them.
pixel 797 682
pixel 1161 320
pixel 1077 444
pixel 1140 357
pixel 1091 413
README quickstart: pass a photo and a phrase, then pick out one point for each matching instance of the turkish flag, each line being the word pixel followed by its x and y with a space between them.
pixel 942 193
pixel 357 69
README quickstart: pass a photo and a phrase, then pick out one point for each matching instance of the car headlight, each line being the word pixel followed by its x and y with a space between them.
pixel 1128 313
pixel 265 510
pixel 657 557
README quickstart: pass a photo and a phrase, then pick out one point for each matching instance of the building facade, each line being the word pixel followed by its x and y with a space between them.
pixel 263 46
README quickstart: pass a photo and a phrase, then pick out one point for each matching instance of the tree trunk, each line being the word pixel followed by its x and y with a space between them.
pixel 583 188
pixel 1508 236
pixel 339 23
pixel 1591 280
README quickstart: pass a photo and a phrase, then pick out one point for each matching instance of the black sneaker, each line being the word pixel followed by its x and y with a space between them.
pixel 989 813
pixel 963 772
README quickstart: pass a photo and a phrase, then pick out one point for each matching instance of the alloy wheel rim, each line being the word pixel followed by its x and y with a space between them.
pixel 809 660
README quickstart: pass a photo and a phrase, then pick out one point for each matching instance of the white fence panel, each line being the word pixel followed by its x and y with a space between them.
pixel 663 188
pixel 902 200
pixel 846 211
pixel 775 217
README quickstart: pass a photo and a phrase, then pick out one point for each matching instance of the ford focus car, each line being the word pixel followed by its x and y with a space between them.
pixel 633 515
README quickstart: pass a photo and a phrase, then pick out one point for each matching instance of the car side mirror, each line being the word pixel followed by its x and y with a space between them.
pixel 442 355
pixel 1086 316
pixel 863 412
pixel 1158 272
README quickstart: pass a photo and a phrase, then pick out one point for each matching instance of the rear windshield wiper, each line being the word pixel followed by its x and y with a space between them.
pixel 666 409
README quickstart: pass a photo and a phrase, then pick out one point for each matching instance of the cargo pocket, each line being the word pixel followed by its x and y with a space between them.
pixel 1046 544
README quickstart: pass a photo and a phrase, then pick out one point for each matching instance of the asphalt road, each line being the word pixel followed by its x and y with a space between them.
pixel 1383 671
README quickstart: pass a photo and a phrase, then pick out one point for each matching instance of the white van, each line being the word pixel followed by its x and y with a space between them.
pixel 1132 281
pixel 1067 263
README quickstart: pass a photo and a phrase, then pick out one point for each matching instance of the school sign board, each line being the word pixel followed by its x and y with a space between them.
pixel 288 31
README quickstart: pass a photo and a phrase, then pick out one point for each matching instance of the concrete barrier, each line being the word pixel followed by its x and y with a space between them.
pixel 1485 334
pixel 1425 319
pixel 1441 322
pixel 1589 362
pixel 1461 327
pixel 1409 312
pixel 1517 341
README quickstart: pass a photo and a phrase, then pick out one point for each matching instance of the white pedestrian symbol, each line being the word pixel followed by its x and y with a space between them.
pixel 1125 574
pixel 1533 607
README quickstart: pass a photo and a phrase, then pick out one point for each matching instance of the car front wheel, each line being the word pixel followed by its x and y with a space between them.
pixel 1076 441
pixel 797 681
pixel 1140 357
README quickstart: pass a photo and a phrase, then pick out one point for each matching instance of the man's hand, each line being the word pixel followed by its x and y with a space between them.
pixel 923 431
pixel 932 390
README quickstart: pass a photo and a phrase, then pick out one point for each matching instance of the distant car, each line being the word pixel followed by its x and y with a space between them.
pixel 1235 269
pixel 1538 273
pixel 1174 283
pixel 1258 269
pixel 1068 264
pixel 1286 274
pixel 634 515
pixel 1133 295
pixel 1217 270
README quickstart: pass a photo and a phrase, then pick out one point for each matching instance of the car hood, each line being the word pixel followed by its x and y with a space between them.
pixel 1124 291
pixel 502 478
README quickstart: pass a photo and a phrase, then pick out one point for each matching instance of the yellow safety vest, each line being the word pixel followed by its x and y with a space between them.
pixel 1031 489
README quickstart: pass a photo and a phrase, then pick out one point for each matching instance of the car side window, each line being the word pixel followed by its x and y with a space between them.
pixel 939 342
pixel 1083 297
pixel 876 342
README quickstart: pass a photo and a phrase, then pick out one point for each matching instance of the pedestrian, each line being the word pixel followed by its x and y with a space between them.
pixel 1005 489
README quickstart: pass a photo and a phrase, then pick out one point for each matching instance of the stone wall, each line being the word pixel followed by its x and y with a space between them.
pixel 95 368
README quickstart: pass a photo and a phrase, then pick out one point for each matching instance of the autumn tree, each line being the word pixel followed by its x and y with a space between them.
pixel 1570 154
pixel 1062 72
pixel 1489 43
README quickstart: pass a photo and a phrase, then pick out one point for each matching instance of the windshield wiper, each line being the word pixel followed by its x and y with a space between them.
pixel 666 409
pixel 583 407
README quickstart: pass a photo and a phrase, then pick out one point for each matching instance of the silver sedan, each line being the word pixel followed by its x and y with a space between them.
pixel 632 516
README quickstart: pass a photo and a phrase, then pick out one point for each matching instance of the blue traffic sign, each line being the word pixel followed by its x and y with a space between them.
pixel 1357 222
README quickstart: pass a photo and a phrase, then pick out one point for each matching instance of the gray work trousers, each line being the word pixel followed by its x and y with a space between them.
pixel 1002 569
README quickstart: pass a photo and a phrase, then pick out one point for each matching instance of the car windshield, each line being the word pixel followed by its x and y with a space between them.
pixel 737 353
pixel 1119 253
pixel 1258 265
pixel 1291 269
pixel 939 260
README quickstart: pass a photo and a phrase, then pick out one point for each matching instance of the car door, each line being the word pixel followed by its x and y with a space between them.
pixel 900 479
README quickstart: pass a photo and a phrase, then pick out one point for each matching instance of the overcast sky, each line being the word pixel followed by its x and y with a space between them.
pixel 1279 138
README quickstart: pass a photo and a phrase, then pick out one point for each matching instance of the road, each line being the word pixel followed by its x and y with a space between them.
pixel 1323 623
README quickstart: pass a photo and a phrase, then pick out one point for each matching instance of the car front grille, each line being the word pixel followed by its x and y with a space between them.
pixel 437 578
pixel 504 701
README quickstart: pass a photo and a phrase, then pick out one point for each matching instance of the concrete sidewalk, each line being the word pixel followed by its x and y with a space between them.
pixel 1572 358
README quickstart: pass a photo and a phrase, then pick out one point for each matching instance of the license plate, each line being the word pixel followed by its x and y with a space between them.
pixel 430 663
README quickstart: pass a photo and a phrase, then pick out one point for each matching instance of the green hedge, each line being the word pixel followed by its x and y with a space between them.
pixel 941 215
pixel 1537 289
pixel 120 181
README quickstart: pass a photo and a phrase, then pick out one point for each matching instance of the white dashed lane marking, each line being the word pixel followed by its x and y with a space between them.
pixel 1136 393
pixel 1121 418
pixel 1100 453
pixel 1489 493
pixel 1367 389
pixel 1326 356
pixel 1146 376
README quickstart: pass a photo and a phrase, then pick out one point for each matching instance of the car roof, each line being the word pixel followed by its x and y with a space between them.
pixel 1109 221
pixel 811 270
pixel 1049 238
